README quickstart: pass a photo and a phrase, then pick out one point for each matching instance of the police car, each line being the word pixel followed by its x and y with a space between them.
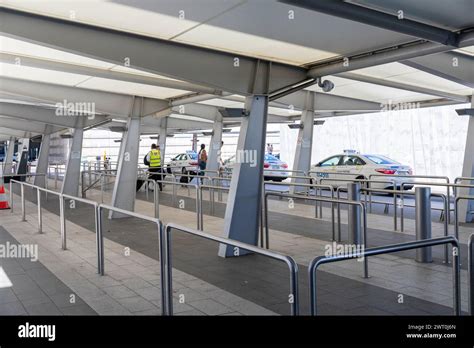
pixel 184 163
pixel 352 165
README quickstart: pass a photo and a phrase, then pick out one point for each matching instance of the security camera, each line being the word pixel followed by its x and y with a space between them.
pixel 326 85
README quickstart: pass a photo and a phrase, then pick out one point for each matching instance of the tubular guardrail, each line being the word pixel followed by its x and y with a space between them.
pixel 405 193
pixel 292 265
pixel 318 261
pixel 159 225
pixel 328 200
pixel 456 212
pixel 157 197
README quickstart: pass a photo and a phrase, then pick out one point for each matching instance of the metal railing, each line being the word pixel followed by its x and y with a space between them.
pixel 456 212
pixel 292 265
pixel 322 199
pixel 175 184
pixel 320 260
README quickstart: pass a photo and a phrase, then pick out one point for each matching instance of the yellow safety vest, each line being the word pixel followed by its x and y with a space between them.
pixel 155 158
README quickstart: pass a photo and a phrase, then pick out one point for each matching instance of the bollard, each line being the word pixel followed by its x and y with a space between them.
pixel 353 214
pixel 40 217
pixel 423 222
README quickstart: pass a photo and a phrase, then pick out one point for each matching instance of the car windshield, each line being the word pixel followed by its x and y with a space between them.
pixel 378 159
pixel 271 158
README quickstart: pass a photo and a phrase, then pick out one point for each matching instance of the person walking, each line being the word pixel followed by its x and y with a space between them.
pixel 153 158
pixel 202 160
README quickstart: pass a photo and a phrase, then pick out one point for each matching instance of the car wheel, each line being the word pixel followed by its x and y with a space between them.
pixel 168 169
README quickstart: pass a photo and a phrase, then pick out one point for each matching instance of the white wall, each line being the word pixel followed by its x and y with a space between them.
pixel 430 140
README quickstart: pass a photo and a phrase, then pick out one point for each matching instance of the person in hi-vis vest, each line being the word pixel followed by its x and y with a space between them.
pixel 153 158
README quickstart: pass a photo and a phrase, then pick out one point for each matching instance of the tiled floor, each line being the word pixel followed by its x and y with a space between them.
pixel 34 289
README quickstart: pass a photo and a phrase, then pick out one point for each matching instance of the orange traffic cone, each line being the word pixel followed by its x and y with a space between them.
pixel 3 199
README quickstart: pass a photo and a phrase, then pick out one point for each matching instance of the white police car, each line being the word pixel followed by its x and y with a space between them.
pixel 352 165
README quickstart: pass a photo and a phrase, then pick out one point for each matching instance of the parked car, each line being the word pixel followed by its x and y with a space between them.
pixel 184 163
pixel 361 166
pixel 272 166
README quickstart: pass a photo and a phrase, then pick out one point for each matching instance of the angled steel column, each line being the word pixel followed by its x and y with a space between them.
pixel 126 181
pixel 73 168
pixel 215 146
pixel 305 141
pixel 22 158
pixel 162 138
pixel 43 158
pixel 243 207
pixel 7 169
pixel 466 206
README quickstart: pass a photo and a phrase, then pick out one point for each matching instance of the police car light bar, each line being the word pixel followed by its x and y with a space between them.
pixel 347 151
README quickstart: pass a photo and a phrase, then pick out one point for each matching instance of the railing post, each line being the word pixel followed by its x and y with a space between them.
pixel 11 196
pixel 62 219
pixel 353 221
pixel 23 208
pixel 40 217
pixel 156 200
pixel 99 240
pixel 423 222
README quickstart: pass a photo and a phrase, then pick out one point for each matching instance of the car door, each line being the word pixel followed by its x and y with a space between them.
pixel 327 169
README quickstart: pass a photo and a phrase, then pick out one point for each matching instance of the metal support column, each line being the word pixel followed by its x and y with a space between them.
pixel 242 211
pixel 353 215
pixel 123 196
pixel 23 151
pixel 466 207
pixel 73 168
pixel 215 146
pixel 7 169
pixel 423 222
pixel 162 138
pixel 305 141
pixel 43 158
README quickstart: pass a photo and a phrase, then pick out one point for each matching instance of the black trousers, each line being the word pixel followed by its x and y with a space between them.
pixel 157 176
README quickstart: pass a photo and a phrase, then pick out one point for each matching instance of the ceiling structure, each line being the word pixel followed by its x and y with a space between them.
pixel 209 55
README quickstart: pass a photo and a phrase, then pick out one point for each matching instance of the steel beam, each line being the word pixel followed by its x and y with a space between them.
pixel 243 207
pixel 103 102
pixel 212 68
pixel 43 159
pixel 215 145
pixel 453 66
pixel 379 19
pixel 7 168
pixel 33 127
pixel 162 138
pixel 22 159
pixel 404 86
pixel 388 55
pixel 465 207
pixel 304 142
pixel 17 133
pixel 327 102
pixel 73 168
pixel 123 196
pixel 85 70
pixel 44 115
